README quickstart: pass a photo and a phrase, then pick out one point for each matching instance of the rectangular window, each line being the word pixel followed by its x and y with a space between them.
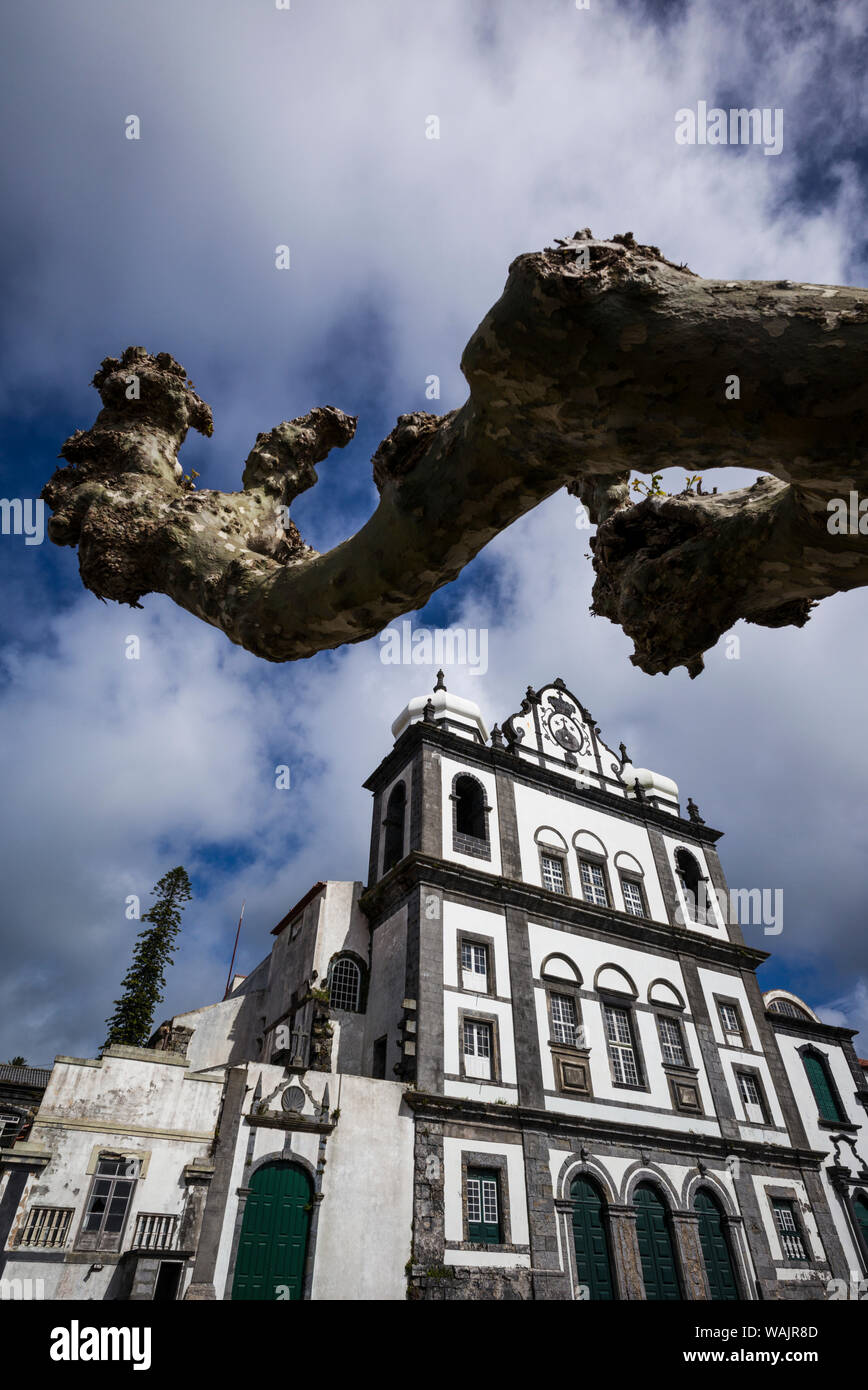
pixel 752 1097
pixel 622 1049
pixel 110 1198
pixel 731 1021
pixel 9 1124
pixel 788 1230
pixel 564 1021
pixel 593 883
pixel 671 1041
pixel 477 1049
pixel 378 1062
pixel 483 1206
pixel 474 966
pixel 553 876
pixel 634 898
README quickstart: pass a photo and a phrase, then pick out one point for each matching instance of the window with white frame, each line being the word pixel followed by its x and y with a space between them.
pixel 750 1090
pixel 634 898
pixel 483 1206
pixel 787 1007
pixel 474 966
pixel 593 880
pixel 731 1022
pixel 345 985
pixel 109 1201
pixel 788 1231
pixel 622 1047
pixel 564 1020
pixel 553 875
pixel 477 1049
pixel 10 1123
pixel 671 1041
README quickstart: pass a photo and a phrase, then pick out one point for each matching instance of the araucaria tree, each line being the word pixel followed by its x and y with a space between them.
pixel 145 981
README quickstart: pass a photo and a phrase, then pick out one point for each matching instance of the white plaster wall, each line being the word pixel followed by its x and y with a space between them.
pixel 131 1096
pixel 535 808
pixel 449 769
pixel 800 1197
pixel 405 776
pixel 365 1220
pixel 388 983
pixel 717 930
pixel 643 968
pixel 342 925
pixel 732 1058
pixel 453 1003
pixel 365 1217
pixel 458 918
pixel 453 1194
pixel 820 1138
pixel 718 982
pixel 73 1125
pixel 222 1029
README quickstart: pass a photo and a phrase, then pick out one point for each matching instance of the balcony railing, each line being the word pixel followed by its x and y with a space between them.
pixel 46 1228
pixel 156 1231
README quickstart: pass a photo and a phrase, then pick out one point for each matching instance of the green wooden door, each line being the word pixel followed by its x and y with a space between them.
pixel 590 1239
pixel 273 1243
pixel 659 1270
pixel 860 1206
pixel 715 1247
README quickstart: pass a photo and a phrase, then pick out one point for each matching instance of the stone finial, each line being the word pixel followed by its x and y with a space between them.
pixel 625 756
pixel 441 681
pixel 428 712
pixel 496 737
pixel 693 812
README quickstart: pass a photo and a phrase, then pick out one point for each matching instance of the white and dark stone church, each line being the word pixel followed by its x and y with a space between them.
pixel 528 1059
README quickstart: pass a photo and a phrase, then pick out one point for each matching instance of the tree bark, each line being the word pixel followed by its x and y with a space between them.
pixel 600 357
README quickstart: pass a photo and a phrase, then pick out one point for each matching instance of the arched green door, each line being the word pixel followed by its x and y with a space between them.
pixel 589 1237
pixel 659 1270
pixel 715 1247
pixel 273 1243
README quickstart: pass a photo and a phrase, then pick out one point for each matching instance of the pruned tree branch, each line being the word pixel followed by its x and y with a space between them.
pixel 600 357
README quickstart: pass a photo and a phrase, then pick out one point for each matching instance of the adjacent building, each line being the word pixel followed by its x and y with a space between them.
pixel 527 1058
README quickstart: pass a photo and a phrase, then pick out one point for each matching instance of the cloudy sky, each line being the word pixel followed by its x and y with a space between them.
pixel 307 127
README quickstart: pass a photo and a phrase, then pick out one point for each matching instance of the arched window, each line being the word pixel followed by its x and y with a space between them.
pixel 393 850
pixel 690 877
pixel 345 985
pixel 787 1007
pixel 823 1087
pixel 469 807
pixel 469 817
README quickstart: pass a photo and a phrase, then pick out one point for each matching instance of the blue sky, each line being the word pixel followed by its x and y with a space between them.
pixel 306 127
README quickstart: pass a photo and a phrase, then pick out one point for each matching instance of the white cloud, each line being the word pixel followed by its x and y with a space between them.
pixel 307 126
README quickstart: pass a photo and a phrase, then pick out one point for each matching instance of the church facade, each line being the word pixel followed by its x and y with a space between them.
pixel 527 1059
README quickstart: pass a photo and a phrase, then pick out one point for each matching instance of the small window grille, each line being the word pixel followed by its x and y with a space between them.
pixel 564 1019
pixel 671 1042
pixel 345 985
pixel 593 883
pixel 553 874
pixel 621 1046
